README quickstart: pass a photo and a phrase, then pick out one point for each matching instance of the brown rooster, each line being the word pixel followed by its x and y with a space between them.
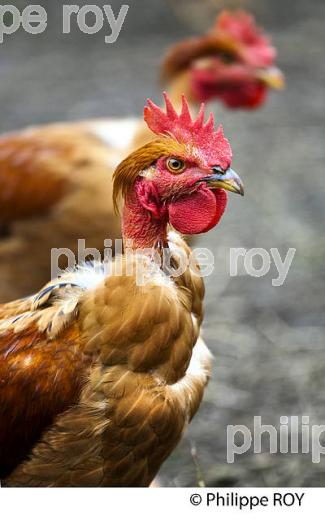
pixel 101 371
pixel 55 181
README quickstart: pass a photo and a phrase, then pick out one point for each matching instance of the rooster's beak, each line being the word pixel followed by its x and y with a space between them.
pixel 230 181
pixel 272 77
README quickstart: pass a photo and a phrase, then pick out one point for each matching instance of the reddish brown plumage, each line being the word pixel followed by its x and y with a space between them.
pixel 39 379
pixel 36 191
pixel 97 400
pixel 55 188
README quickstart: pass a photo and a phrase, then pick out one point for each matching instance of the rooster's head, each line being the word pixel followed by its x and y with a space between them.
pixel 182 176
pixel 234 62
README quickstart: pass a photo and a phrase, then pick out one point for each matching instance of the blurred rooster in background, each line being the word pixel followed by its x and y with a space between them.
pixel 56 180
pixel 100 374
pixel 234 63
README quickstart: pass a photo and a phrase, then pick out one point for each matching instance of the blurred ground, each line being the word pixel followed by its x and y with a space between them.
pixel 268 342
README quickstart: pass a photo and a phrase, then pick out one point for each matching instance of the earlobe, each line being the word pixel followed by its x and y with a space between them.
pixel 149 198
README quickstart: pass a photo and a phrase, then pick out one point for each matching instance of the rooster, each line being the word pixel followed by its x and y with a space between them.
pixel 102 370
pixel 56 180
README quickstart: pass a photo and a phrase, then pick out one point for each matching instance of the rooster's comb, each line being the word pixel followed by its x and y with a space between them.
pixel 241 25
pixel 242 28
pixel 184 129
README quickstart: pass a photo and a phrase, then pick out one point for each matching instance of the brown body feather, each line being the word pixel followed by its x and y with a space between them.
pixel 56 187
pixel 38 380
pixel 107 383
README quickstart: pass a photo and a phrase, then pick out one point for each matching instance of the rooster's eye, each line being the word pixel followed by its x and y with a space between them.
pixel 175 165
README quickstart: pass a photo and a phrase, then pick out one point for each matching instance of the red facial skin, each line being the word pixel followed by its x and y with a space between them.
pixel 188 205
pixel 170 184
pixel 234 84
pixel 192 207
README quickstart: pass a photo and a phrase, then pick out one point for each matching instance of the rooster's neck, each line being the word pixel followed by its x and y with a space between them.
pixel 140 229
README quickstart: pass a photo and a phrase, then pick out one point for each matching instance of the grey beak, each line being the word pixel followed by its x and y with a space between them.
pixel 230 181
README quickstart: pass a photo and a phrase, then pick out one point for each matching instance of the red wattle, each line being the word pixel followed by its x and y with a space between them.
pixel 198 212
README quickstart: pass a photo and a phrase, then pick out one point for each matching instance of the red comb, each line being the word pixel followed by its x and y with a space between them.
pixel 183 128
pixel 242 27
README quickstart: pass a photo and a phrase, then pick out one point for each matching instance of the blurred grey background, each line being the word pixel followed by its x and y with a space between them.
pixel 268 342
